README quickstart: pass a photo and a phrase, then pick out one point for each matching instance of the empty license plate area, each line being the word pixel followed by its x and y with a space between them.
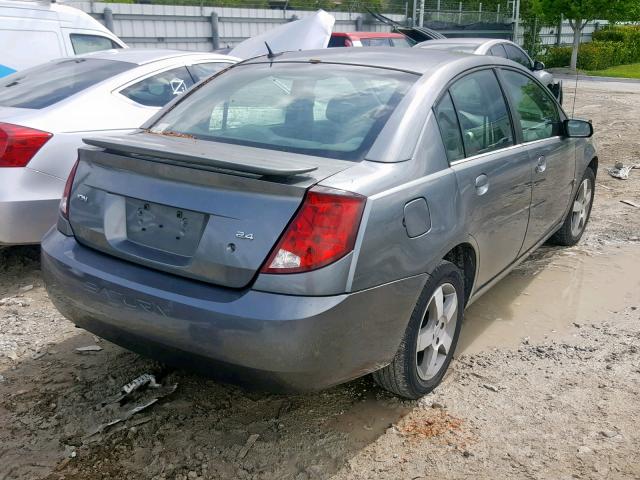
pixel 165 228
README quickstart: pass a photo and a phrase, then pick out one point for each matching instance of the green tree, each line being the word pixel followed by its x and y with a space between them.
pixel 580 12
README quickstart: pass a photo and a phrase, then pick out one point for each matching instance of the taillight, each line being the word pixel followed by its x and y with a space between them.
pixel 64 202
pixel 322 231
pixel 19 144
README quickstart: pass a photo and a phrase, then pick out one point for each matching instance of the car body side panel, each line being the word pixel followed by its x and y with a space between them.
pixel 58 155
pixel 551 188
pixel 495 214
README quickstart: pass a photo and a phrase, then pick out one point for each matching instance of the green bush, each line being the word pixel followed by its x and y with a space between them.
pixel 557 57
pixel 611 46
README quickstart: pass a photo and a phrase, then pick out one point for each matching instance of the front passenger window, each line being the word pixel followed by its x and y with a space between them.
pixel 538 114
pixel 482 113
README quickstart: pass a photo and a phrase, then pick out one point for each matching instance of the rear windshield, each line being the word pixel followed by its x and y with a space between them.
pixel 326 110
pixel 49 83
pixel 452 47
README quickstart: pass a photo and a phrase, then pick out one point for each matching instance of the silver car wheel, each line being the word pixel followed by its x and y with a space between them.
pixel 581 208
pixel 437 330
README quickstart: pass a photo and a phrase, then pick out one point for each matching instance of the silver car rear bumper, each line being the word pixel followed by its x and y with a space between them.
pixel 28 205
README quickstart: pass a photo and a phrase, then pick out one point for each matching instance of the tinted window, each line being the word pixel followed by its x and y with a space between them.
pixel 91 43
pixel 336 41
pixel 401 42
pixel 517 55
pixel 327 110
pixel 449 128
pixel 160 89
pixel 498 51
pixel 482 113
pixel 538 114
pixel 375 42
pixel 201 71
pixel 46 84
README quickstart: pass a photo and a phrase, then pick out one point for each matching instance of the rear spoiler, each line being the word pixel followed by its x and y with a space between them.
pixel 206 154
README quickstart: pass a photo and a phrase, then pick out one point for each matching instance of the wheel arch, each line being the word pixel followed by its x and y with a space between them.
pixel 593 165
pixel 464 255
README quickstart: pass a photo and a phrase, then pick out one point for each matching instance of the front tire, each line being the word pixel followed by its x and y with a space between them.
pixel 431 336
pixel 579 214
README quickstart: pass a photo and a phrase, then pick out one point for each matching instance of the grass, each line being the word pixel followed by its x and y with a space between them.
pixel 623 71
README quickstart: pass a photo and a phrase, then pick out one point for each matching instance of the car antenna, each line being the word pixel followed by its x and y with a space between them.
pixel 270 54
pixel 575 94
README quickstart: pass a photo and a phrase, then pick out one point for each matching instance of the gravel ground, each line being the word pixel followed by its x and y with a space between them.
pixel 545 384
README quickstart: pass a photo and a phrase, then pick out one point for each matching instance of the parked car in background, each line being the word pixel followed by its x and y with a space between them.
pixel 498 48
pixel 34 32
pixel 368 39
pixel 305 219
pixel 46 110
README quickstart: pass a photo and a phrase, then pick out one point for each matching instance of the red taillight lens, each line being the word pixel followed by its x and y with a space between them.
pixel 64 202
pixel 19 144
pixel 323 231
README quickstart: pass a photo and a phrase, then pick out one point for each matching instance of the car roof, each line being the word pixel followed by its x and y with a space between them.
pixel 142 56
pixel 415 60
pixel 368 34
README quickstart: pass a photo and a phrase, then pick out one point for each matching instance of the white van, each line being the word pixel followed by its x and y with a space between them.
pixel 34 32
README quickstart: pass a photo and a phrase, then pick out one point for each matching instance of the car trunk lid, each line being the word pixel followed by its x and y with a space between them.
pixel 204 210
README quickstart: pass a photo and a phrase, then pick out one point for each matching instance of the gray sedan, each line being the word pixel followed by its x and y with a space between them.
pixel 307 218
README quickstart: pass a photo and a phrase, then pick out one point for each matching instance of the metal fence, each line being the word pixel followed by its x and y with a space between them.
pixel 203 28
pixel 206 28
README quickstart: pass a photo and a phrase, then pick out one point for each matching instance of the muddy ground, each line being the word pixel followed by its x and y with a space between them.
pixel 546 383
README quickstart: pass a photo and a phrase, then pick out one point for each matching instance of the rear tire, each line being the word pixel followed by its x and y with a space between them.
pixel 578 216
pixel 431 336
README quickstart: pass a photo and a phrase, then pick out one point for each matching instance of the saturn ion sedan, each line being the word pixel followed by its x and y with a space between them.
pixel 303 219
pixel 46 110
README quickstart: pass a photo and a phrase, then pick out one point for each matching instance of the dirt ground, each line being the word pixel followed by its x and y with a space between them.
pixel 545 384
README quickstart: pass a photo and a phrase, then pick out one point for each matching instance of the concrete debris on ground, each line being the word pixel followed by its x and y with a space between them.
pixel 622 171
pixel 89 349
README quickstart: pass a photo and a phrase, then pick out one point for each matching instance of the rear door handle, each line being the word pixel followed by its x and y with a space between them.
pixel 482 184
pixel 541 164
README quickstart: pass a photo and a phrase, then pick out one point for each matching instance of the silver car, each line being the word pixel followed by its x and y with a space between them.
pixel 307 218
pixel 46 110
pixel 498 48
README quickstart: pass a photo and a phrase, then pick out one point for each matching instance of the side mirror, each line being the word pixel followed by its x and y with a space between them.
pixel 538 65
pixel 578 128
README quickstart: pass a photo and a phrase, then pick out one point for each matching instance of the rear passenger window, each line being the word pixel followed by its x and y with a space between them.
pixel 160 89
pixel 91 43
pixel 482 113
pixel 498 51
pixel 375 42
pixel 538 114
pixel 449 128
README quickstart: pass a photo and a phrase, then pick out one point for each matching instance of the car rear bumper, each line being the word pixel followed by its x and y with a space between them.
pixel 28 205
pixel 265 340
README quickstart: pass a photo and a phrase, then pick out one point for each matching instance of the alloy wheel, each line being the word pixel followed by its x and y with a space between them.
pixel 437 330
pixel 581 208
